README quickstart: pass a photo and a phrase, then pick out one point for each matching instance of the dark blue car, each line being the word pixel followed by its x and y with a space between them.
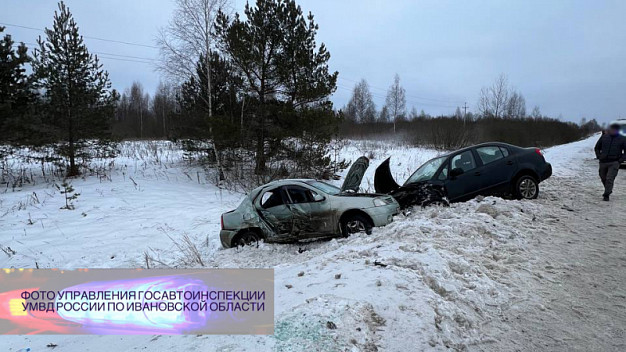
pixel 483 169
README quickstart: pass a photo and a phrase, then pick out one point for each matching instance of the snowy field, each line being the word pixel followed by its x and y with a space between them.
pixel 488 274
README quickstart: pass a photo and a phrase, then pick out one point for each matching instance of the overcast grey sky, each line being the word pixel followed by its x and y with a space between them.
pixel 567 57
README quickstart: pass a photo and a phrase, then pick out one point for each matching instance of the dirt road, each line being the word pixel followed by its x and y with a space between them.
pixel 572 294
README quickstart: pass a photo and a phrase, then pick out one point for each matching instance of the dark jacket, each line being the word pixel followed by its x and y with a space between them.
pixel 611 148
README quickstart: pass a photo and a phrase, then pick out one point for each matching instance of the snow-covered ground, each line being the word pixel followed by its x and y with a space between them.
pixel 488 274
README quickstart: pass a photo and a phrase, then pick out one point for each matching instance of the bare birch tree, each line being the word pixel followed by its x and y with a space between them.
pixel 493 99
pixel 516 106
pixel 189 37
pixel 361 107
pixel 396 101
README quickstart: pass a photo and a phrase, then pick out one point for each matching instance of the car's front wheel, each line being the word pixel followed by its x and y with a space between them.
pixel 354 224
pixel 246 238
pixel 526 187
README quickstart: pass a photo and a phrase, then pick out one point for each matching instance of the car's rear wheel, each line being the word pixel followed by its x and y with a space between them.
pixel 526 187
pixel 246 238
pixel 354 224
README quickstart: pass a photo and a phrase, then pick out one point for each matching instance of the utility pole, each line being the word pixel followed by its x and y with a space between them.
pixel 464 114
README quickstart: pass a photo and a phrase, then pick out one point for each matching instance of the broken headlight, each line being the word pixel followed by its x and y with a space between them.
pixel 380 202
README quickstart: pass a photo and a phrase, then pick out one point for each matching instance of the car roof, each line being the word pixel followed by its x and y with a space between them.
pixel 501 144
pixel 287 181
pixel 282 182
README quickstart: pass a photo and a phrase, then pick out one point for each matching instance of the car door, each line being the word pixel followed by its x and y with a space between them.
pixel 311 211
pixel 466 184
pixel 497 168
pixel 275 210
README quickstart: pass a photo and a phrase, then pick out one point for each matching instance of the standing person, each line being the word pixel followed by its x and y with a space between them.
pixel 611 151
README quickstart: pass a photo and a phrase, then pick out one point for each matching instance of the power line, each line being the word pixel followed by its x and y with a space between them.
pixel 376 95
pixel 125 56
pixel 89 37
pixel 126 60
pixel 414 103
pixel 111 56
pixel 150 61
pixel 408 95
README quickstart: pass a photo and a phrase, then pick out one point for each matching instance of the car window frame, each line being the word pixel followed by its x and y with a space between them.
pixel 281 192
pixel 286 189
pixel 435 174
pixel 320 191
pixel 474 157
pixel 444 165
pixel 482 162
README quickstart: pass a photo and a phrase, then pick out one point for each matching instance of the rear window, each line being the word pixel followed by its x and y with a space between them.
pixel 489 154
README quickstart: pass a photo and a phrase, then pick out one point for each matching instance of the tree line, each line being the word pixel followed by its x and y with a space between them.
pixel 239 90
pixel 249 95
pixel 501 116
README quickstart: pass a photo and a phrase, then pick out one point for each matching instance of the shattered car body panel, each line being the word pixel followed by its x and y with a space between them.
pixel 300 209
pixel 419 193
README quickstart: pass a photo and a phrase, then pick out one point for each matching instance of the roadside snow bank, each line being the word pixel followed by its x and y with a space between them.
pixel 434 279
pixel 436 274
pixel 568 159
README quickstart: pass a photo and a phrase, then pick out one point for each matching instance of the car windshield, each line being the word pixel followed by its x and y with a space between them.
pixel 426 171
pixel 325 187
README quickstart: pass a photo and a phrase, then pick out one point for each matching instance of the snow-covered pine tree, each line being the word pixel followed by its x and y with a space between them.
pixel 78 96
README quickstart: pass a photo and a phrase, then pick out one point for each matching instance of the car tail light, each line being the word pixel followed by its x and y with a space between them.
pixel 538 151
pixel 222 221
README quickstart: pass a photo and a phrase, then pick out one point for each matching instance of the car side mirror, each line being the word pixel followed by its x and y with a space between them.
pixel 457 171
pixel 318 197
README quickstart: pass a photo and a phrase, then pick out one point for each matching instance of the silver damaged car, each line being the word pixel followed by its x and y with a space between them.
pixel 301 209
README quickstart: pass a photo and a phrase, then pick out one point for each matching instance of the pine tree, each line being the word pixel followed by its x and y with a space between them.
pixel 225 83
pixel 68 191
pixel 284 70
pixel 15 87
pixel 78 95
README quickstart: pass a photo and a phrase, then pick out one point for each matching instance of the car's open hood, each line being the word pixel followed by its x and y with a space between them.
pixel 355 175
pixel 383 181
